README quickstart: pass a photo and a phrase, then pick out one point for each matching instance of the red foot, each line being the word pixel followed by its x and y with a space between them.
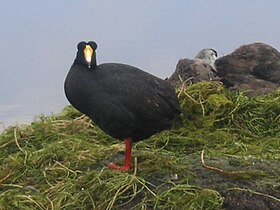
pixel 114 166
pixel 127 157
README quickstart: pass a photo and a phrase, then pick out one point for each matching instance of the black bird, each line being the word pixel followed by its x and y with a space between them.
pixel 124 101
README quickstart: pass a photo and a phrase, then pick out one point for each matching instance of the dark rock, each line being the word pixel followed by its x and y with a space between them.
pixel 254 68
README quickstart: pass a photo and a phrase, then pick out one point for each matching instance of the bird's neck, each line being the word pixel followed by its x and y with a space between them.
pixel 93 63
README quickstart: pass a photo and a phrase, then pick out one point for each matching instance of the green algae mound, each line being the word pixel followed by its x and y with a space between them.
pixel 59 162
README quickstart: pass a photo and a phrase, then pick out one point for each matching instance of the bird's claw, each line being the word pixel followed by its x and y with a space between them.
pixel 114 166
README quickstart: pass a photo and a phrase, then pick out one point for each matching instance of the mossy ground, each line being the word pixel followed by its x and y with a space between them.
pixel 59 162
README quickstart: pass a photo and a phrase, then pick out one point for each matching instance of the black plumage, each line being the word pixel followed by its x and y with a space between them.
pixel 122 100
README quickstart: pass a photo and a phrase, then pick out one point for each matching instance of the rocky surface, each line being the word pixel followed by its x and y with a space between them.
pixel 254 68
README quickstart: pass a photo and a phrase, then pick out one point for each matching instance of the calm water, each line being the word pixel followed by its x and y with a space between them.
pixel 18 116
pixel 21 105
pixel 8 118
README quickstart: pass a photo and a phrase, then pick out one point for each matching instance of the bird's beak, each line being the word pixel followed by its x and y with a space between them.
pixel 88 52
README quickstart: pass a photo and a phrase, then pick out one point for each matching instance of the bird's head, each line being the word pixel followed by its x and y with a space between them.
pixel 86 53
pixel 208 55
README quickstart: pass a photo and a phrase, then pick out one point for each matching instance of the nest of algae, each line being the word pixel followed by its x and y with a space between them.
pixel 59 162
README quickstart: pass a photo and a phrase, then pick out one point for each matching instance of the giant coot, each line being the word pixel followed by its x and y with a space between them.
pixel 124 101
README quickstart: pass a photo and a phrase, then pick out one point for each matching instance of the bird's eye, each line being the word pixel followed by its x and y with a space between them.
pixel 81 45
pixel 93 45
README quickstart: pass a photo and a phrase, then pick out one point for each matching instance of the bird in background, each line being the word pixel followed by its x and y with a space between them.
pixel 208 55
pixel 201 68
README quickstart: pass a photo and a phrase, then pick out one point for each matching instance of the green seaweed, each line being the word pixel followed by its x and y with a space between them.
pixel 59 161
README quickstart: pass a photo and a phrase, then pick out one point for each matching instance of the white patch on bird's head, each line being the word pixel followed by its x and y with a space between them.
pixel 209 56
pixel 88 53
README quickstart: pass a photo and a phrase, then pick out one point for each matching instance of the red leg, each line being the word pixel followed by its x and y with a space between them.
pixel 127 157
